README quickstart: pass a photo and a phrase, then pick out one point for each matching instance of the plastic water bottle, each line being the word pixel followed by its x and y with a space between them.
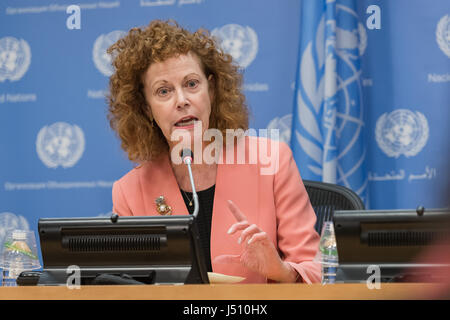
pixel 11 274
pixel 329 254
pixel 19 254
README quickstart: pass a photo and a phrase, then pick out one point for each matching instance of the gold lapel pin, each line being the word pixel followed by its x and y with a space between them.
pixel 162 207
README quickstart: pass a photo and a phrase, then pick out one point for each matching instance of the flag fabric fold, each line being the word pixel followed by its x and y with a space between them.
pixel 328 120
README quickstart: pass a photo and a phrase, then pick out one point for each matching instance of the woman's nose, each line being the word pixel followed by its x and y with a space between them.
pixel 182 100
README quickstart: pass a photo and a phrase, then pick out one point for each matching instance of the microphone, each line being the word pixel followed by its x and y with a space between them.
pixel 187 155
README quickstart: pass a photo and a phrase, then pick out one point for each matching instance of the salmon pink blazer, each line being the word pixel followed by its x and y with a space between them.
pixel 275 200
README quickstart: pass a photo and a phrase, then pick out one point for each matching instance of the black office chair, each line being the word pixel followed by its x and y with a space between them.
pixel 326 198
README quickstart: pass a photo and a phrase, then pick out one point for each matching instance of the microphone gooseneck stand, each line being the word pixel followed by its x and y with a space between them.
pixel 187 156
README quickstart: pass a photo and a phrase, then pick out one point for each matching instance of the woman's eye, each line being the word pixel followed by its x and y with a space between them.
pixel 192 83
pixel 163 91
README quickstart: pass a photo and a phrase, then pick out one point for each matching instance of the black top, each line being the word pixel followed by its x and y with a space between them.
pixel 204 218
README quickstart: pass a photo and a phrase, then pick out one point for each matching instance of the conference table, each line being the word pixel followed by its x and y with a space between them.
pixel 387 291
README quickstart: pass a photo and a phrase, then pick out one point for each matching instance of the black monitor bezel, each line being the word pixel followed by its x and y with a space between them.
pixel 395 262
pixel 167 265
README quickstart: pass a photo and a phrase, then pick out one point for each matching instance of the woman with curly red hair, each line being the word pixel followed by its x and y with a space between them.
pixel 169 82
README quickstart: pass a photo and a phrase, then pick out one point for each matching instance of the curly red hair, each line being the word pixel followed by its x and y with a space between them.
pixel 129 114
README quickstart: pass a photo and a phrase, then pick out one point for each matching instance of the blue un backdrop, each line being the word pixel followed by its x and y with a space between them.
pixel 359 89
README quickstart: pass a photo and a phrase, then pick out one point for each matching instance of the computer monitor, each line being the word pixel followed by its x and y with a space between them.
pixel 150 250
pixel 389 239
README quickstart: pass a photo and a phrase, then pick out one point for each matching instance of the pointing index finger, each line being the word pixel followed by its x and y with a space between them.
pixel 236 212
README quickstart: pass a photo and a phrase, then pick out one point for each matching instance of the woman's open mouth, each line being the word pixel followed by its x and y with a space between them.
pixel 186 122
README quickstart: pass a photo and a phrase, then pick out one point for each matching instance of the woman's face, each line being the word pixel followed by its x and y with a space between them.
pixel 178 94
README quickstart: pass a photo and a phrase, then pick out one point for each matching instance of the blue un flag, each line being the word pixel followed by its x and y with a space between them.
pixel 328 118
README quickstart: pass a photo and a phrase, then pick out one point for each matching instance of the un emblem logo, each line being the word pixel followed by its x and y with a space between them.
pixel 240 42
pixel 60 144
pixel 401 132
pixel 15 58
pixel 102 59
pixel 443 34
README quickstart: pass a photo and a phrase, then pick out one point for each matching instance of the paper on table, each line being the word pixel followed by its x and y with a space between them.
pixel 223 278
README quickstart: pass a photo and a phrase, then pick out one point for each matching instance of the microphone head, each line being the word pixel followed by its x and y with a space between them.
pixel 186 154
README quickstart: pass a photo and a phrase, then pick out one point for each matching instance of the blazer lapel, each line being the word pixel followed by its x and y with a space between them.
pixel 157 180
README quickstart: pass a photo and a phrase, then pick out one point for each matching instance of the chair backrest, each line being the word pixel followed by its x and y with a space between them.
pixel 326 198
